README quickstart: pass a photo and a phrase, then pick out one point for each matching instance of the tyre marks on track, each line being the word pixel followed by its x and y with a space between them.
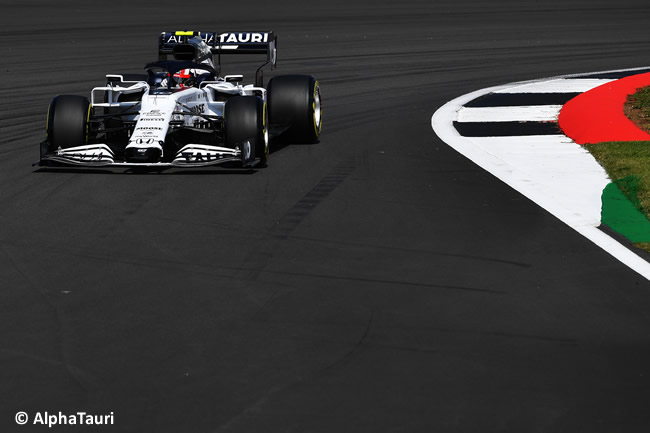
pixel 294 216
pixel 256 262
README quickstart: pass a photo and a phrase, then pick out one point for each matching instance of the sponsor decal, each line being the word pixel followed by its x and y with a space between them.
pixel 210 38
pixel 198 109
pixel 91 157
pixel 243 38
pixel 174 39
pixel 152 119
pixel 181 37
pixel 156 128
pixel 94 156
pixel 89 154
pixel 186 99
pixel 200 156
pixel 145 141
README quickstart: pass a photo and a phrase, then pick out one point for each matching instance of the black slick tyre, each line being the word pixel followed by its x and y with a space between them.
pixel 67 123
pixel 246 119
pixel 295 107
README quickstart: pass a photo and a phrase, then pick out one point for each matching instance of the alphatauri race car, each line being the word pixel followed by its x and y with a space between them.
pixel 182 112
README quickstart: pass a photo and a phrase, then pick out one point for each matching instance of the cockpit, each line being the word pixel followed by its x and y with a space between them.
pixel 191 66
pixel 175 75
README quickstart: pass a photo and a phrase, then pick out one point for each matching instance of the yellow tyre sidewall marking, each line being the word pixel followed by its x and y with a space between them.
pixel 266 141
pixel 317 125
pixel 87 123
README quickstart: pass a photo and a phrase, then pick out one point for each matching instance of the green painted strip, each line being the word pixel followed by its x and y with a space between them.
pixel 622 216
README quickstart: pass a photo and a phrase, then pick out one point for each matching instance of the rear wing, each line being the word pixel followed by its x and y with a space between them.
pixel 225 43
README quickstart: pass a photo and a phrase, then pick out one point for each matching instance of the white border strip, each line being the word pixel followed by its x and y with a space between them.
pixel 442 124
pixel 558 85
pixel 539 113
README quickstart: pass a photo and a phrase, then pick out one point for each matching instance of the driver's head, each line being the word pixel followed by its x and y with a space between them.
pixel 185 78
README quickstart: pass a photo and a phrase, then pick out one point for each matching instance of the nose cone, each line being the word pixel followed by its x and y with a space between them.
pixel 143 154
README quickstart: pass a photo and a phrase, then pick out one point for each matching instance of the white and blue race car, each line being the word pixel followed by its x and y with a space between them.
pixel 182 112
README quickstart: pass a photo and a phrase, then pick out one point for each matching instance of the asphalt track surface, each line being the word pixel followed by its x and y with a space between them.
pixel 377 281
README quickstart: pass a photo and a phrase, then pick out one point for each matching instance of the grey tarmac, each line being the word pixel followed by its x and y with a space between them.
pixel 374 282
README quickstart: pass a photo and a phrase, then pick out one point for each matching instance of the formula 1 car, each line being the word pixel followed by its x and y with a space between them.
pixel 182 112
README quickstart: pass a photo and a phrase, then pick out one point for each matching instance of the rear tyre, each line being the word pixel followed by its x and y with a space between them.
pixel 67 123
pixel 246 119
pixel 295 106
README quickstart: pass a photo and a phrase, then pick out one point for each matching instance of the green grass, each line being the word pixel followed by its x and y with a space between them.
pixel 628 165
pixel 641 100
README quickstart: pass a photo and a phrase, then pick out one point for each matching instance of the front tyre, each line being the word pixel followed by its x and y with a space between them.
pixel 295 106
pixel 67 123
pixel 246 119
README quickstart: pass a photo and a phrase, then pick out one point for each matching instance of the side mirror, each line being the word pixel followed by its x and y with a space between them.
pixel 234 78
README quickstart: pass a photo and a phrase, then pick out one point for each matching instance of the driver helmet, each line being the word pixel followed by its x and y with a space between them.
pixel 185 78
